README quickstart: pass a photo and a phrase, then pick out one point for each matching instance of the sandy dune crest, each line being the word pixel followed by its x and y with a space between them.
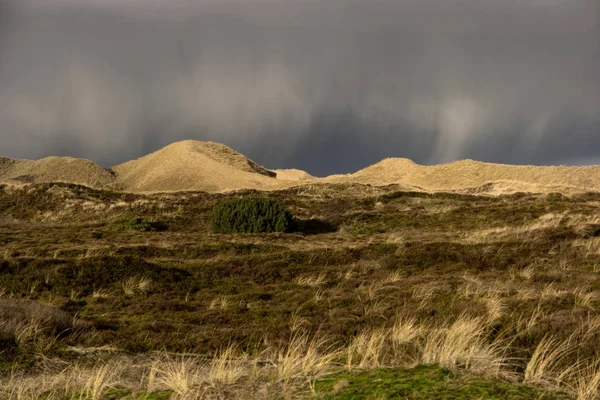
pixel 293 175
pixel 193 165
pixel 56 169
pixel 469 175
pixel 206 166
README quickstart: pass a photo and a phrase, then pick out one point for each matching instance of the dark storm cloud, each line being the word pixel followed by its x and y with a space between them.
pixel 323 85
pixel 7 11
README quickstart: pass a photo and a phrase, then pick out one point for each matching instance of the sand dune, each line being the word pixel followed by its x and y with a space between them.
pixel 56 169
pixel 214 167
pixel 193 165
pixel 294 175
pixel 468 175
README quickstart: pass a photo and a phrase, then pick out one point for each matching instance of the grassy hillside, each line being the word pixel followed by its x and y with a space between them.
pixel 379 294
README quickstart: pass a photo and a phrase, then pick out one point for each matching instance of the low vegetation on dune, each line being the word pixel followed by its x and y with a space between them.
pixel 378 293
pixel 252 215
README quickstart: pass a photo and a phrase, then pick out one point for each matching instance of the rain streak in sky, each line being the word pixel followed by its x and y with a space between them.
pixel 328 86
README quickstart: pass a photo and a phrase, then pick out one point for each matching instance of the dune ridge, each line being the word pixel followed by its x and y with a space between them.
pixel 213 167
pixel 56 169
pixel 470 174
pixel 296 175
pixel 193 165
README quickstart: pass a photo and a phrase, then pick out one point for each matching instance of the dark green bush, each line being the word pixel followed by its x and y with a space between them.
pixel 251 215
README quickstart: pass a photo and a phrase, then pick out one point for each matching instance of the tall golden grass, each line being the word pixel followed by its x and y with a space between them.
pixel 459 344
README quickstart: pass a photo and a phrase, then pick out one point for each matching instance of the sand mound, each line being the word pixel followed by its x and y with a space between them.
pixel 193 165
pixel 293 175
pixel 56 169
pixel 468 174
pixel 225 155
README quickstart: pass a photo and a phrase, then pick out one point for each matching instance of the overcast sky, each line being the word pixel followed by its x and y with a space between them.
pixel 327 86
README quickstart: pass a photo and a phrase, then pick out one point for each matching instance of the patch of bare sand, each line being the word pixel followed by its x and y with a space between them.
pixel 224 155
pixel 55 169
pixel 508 187
pixel 474 176
pixel 295 175
pixel 194 165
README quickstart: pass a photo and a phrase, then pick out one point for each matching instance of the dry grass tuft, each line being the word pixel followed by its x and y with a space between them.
pixel 393 277
pixel 550 292
pixel 406 330
pixel 587 382
pixel 495 306
pixel 590 247
pixel 541 369
pixel 226 368
pixel 462 344
pixel 370 290
pixel 527 273
pixel 221 303
pixel 367 349
pixel 424 294
pixel 100 294
pixel 311 280
pixel 584 297
pixel 304 357
pixel 181 376
pixel 135 284
pixel 100 380
pixel 74 382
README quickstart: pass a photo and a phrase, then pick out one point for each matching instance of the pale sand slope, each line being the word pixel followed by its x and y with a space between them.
pixel 469 174
pixel 55 169
pixel 194 165
pixel 294 175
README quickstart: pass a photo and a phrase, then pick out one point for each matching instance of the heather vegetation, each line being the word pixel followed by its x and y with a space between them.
pixel 138 224
pixel 378 293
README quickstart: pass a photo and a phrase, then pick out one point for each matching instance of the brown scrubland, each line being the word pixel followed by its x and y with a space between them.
pixel 401 281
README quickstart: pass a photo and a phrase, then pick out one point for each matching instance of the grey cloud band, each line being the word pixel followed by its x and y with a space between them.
pixel 328 86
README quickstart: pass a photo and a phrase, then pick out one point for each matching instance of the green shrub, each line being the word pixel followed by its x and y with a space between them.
pixel 251 215
pixel 138 224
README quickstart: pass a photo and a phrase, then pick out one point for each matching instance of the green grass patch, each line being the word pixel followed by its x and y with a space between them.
pixel 422 383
